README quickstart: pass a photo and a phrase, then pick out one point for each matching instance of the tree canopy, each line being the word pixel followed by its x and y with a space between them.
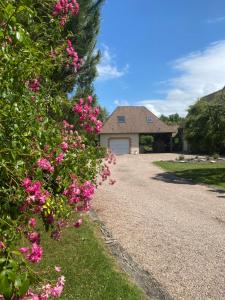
pixel 205 126
pixel 174 119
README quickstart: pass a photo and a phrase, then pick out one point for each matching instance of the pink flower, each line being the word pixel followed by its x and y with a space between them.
pixel 60 158
pixel 36 253
pixel 24 250
pixel 69 43
pixel 32 222
pixel 57 290
pixel 26 182
pixel 58 269
pixel 34 85
pixel 78 223
pixel 44 164
pixel 90 99
pixel 64 146
pixel 34 237
pixel 87 190
pixel 34 188
pixel 88 115
pixel 66 124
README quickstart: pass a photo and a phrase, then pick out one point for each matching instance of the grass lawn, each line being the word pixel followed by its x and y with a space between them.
pixel 208 173
pixel 90 272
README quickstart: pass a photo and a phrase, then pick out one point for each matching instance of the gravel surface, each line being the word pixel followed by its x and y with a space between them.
pixel 173 229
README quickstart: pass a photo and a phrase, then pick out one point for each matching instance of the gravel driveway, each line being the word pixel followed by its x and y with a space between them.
pixel 175 230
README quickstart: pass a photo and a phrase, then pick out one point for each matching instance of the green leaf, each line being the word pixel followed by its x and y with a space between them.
pixel 5 285
pixel 24 284
pixel 9 9
pixel 2 260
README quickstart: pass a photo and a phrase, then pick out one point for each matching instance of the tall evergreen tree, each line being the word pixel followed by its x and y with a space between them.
pixel 83 31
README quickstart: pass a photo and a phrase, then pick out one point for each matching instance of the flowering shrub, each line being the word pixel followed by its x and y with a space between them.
pixel 63 8
pixel 88 115
pixel 49 167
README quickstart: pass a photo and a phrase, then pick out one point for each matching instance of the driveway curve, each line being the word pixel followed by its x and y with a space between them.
pixel 175 230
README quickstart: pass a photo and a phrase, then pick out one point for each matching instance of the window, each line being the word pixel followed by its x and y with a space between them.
pixel 121 119
pixel 149 119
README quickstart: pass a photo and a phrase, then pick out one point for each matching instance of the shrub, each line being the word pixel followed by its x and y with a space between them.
pixel 49 160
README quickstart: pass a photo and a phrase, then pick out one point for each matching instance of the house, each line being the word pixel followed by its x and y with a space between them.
pixel 122 130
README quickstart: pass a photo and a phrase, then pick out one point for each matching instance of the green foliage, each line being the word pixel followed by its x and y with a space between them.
pixel 173 119
pixel 146 140
pixel 205 126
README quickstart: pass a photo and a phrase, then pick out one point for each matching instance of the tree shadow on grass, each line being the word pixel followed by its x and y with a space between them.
pixel 209 176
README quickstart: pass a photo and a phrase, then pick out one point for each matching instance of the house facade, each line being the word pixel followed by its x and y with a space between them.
pixel 122 130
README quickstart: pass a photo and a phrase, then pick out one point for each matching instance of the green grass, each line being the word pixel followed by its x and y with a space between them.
pixel 90 272
pixel 207 173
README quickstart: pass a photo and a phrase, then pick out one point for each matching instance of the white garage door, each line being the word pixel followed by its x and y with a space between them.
pixel 120 146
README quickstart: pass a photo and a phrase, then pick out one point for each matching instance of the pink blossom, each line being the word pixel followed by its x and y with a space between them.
pixel 58 269
pixel 34 237
pixel 44 164
pixel 57 291
pixel 24 250
pixel 87 190
pixel 64 146
pixel 32 222
pixel 78 223
pixel 34 188
pixel 26 182
pixel 90 99
pixel 88 115
pixel 36 253
pixel 43 197
pixel 60 158
pixel 64 7
pixel 66 124
pixel 34 85
pixel 74 60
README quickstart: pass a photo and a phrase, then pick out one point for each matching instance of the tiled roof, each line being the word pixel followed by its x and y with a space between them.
pixel 135 121
pixel 216 96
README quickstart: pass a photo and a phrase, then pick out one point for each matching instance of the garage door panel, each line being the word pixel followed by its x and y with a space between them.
pixel 120 146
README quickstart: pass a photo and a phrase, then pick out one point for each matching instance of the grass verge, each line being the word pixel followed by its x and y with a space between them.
pixel 90 272
pixel 207 173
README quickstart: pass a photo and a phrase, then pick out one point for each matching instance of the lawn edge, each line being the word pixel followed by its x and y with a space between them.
pixel 143 279
pixel 215 187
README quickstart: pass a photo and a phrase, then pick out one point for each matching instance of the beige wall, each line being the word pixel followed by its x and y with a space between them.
pixel 134 140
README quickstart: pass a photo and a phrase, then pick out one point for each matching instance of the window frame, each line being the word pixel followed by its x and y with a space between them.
pixel 149 119
pixel 121 121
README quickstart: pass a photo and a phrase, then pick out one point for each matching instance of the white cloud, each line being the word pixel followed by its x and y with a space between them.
pixel 107 68
pixel 201 73
pixel 216 20
pixel 121 102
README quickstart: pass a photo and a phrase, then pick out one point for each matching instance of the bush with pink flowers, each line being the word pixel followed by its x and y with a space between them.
pixel 48 165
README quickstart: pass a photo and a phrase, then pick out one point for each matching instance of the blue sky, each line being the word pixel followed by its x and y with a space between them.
pixel 163 54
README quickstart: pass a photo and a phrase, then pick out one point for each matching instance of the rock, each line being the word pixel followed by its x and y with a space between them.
pixel 212 161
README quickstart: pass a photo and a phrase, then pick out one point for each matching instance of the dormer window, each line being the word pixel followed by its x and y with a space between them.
pixel 121 119
pixel 149 119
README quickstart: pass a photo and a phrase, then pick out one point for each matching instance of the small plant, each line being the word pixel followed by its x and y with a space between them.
pixel 181 157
